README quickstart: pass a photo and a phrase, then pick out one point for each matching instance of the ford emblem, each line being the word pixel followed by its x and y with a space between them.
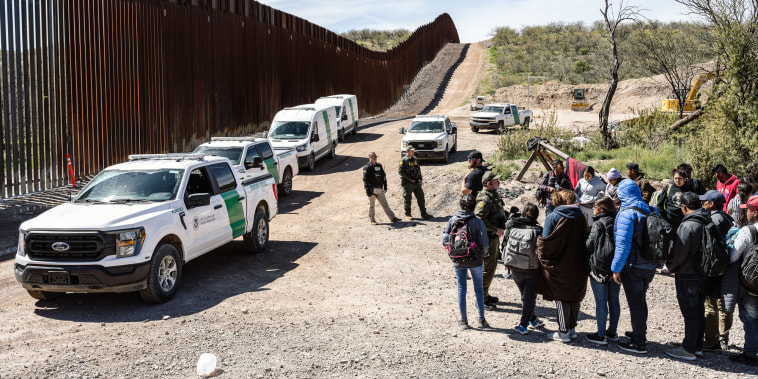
pixel 61 246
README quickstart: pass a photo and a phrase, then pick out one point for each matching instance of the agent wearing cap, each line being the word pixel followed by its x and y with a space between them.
pixel 748 302
pixel 634 173
pixel 490 209
pixel 717 323
pixel 375 183
pixel 412 182
pixel 472 183
pixel 690 285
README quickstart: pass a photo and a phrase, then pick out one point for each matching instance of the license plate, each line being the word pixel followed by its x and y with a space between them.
pixel 421 145
pixel 59 277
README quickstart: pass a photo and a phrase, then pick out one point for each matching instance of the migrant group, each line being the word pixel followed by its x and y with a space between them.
pixel 613 234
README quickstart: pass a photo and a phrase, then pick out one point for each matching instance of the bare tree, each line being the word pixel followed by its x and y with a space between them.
pixel 613 19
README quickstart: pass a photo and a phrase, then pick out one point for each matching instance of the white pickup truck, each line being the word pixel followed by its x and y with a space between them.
pixel 135 225
pixel 256 156
pixel 500 117
pixel 432 137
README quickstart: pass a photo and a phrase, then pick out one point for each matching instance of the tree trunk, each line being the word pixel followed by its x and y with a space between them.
pixel 605 109
pixel 684 121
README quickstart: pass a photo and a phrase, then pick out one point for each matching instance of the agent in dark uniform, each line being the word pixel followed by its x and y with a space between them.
pixel 472 184
pixel 489 208
pixel 375 183
pixel 411 180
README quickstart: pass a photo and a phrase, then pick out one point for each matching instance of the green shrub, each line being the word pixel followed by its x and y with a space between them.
pixel 512 144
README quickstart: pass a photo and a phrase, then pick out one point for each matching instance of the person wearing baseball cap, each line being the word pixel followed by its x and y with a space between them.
pixel 375 184
pixel 490 209
pixel 412 182
pixel 748 302
pixel 472 183
pixel 717 324
pixel 633 172
pixel 689 283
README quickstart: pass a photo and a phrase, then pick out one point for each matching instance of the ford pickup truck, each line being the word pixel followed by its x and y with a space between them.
pixel 500 117
pixel 432 137
pixel 136 224
pixel 257 157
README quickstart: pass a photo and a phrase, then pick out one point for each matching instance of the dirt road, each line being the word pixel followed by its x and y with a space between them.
pixel 332 296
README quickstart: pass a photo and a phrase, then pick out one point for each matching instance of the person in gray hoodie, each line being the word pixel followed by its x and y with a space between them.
pixel 588 189
pixel 690 285
pixel 479 234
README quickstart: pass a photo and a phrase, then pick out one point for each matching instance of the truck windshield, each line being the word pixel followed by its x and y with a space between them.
pixel 114 186
pixel 233 153
pixel 492 108
pixel 426 127
pixel 289 130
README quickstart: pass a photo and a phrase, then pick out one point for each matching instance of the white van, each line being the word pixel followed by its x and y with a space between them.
pixel 346 109
pixel 309 129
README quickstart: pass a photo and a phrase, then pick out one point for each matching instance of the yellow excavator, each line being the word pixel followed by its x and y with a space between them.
pixel 580 102
pixel 692 101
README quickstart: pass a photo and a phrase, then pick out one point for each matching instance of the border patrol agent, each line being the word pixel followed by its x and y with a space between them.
pixel 489 208
pixel 412 181
pixel 375 183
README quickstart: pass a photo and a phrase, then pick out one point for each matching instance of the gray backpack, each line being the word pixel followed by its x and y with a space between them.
pixel 519 249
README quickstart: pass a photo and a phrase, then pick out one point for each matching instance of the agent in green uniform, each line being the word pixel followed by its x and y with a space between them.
pixel 411 180
pixel 489 208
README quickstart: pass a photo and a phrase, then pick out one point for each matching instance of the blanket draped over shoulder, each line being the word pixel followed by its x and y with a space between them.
pixel 564 262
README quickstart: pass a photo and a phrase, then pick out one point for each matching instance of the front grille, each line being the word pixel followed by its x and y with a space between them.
pixel 82 246
pixel 482 120
pixel 424 145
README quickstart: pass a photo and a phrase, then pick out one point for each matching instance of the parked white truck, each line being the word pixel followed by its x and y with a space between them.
pixel 136 224
pixel 256 156
pixel 346 112
pixel 500 117
pixel 309 129
pixel 432 137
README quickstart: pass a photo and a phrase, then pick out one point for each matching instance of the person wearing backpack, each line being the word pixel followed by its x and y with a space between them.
pixel 477 234
pixel 717 322
pixel 745 254
pixel 689 282
pixel 634 173
pixel 630 268
pixel 601 247
pixel 669 201
pixel 519 255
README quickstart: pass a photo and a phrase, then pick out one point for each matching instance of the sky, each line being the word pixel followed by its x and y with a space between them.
pixel 475 20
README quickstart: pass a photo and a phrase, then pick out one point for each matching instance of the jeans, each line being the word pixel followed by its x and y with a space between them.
pixel 476 276
pixel 690 293
pixel 606 299
pixel 749 316
pixel 490 264
pixel 636 282
pixel 526 281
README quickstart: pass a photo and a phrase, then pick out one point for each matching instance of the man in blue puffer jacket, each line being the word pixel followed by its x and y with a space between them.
pixel 629 268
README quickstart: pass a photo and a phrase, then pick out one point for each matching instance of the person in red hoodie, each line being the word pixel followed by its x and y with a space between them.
pixel 726 183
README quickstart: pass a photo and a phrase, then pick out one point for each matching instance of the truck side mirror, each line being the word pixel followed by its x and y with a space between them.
pixel 453 129
pixel 344 117
pixel 315 138
pixel 401 130
pixel 198 200
pixel 257 162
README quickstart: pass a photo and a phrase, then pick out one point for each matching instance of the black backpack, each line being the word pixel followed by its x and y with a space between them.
pixel 602 257
pixel 461 247
pixel 657 237
pixel 749 266
pixel 713 255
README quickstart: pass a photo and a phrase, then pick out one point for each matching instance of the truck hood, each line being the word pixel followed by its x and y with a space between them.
pixel 83 216
pixel 423 136
pixel 286 143
pixel 485 114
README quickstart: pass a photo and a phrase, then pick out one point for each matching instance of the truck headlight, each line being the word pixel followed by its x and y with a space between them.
pixel 21 251
pixel 301 147
pixel 129 242
pixel 403 145
pixel 440 143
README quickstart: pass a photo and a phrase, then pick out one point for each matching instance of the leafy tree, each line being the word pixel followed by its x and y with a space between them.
pixel 379 40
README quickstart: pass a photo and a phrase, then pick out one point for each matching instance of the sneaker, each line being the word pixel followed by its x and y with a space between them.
pixel 629 336
pixel 699 354
pixel 724 345
pixel 558 336
pixel 595 338
pixel 490 299
pixel 711 347
pixel 536 324
pixel 572 333
pixel 632 347
pixel 521 329
pixel 463 325
pixel 373 222
pixel 395 219
pixel 426 216
pixel 408 215
pixel 612 337
pixel 742 358
pixel 680 353
pixel 489 307
pixel 482 323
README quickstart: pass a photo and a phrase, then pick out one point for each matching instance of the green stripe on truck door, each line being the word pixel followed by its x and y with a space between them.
pixel 235 212
pixel 328 127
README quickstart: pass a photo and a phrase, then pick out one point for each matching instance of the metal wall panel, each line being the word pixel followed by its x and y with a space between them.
pixel 99 80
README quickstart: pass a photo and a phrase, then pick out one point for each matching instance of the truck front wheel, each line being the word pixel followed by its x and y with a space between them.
pixel 257 238
pixel 474 129
pixel 445 157
pixel 341 134
pixel 500 128
pixel 312 162
pixel 285 187
pixel 164 276
pixel 45 295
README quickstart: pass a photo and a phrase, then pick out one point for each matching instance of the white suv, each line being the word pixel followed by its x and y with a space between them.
pixel 432 136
